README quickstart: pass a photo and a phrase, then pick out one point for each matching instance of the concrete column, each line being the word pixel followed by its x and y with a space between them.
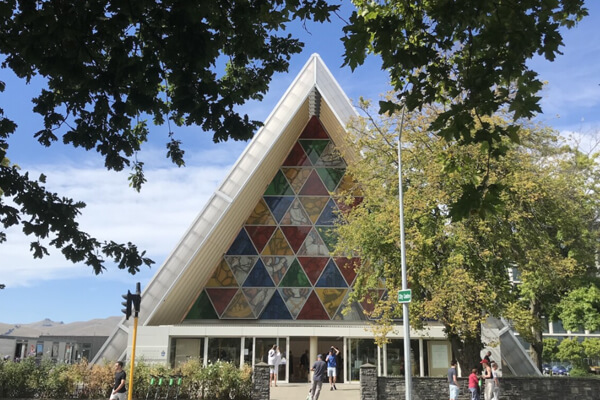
pixel 421 358
pixel 261 389
pixel 384 360
pixel 313 350
pixel 242 347
pixel 368 382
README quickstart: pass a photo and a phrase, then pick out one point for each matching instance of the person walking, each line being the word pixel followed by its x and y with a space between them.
pixel 319 368
pixel 489 380
pixel 452 381
pixel 332 366
pixel 119 392
pixel 474 384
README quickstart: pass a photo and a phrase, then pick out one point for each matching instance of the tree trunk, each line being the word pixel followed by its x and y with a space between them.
pixel 537 344
pixel 467 352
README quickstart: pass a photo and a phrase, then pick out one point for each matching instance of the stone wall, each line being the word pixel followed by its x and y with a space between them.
pixel 260 382
pixel 512 388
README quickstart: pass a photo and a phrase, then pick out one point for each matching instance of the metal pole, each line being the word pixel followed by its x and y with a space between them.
pixel 136 307
pixel 407 368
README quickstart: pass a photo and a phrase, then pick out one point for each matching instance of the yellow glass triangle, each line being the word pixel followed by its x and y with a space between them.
pixel 222 277
pixel 238 308
pixel 296 177
pixel 261 215
pixel 331 299
pixel 278 245
pixel 314 206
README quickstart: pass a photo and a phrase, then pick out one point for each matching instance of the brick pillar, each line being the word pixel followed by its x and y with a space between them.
pixel 368 382
pixel 260 382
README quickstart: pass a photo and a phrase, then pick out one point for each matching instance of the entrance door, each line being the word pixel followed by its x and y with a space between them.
pixel 299 361
pixel 325 344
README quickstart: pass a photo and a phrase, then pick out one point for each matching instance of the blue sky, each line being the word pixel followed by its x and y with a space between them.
pixel 158 217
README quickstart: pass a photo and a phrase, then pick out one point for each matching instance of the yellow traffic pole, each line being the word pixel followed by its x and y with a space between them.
pixel 131 368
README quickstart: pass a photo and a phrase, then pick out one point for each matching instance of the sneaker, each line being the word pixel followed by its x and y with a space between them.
pixel 331 388
pixel 334 387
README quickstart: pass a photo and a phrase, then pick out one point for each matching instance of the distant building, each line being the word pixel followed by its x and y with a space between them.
pixel 60 349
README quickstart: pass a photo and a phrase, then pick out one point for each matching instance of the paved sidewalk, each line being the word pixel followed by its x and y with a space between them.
pixel 298 391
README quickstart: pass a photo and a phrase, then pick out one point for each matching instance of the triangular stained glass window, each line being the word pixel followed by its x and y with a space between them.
pixel 330 158
pixel 202 308
pixel 313 309
pixel 329 236
pixel 221 298
pixel 313 266
pixel 277 266
pixel 238 308
pixel 331 299
pixel 351 313
pixel 313 246
pixel 371 298
pixel 241 266
pixel 313 206
pixel 313 148
pixel 314 186
pixel 294 298
pixel 277 246
pixel 331 277
pixel 314 130
pixel 276 309
pixel 297 177
pixel 242 245
pixel 295 277
pixel 261 215
pixel 258 298
pixel 279 186
pixel 278 205
pixel 330 177
pixel 329 214
pixel 260 235
pixel 222 277
pixel 297 157
pixel 347 267
pixel 296 215
pixel 259 277
pixel 295 235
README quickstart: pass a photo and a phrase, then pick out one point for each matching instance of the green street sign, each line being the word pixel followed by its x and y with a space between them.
pixel 404 296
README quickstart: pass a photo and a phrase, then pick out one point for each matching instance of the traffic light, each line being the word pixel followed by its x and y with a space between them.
pixel 136 299
pixel 127 304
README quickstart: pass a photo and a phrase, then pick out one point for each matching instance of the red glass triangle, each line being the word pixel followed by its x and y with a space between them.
pixel 260 235
pixel 295 235
pixel 314 186
pixel 314 130
pixel 346 208
pixel 347 267
pixel 221 298
pixel 313 309
pixel 313 266
pixel 371 298
pixel 297 157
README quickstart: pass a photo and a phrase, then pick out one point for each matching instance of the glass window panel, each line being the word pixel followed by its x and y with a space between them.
pixel 224 349
pixel 184 349
pixel 361 351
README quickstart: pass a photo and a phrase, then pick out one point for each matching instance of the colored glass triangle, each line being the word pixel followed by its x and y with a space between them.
pixel 258 277
pixel 277 246
pixel 329 236
pixel 202 308
pixel 313 266
pixel 314 186
pixel 297 157
pixel 296 177
pixel 331 299
pixel 371 298
pixel 348 185
pixel 348 267
pixel 329 214
pixel 279 186
pixel 331 277
pixel 314 129
pixel 331 158
pixel 278 205
pixel 313 246
pixel 260 235
pixel 313 309
pixel 238 308
pixel 277 266
pixel 222 277
pixel 313 148
pixel 353 312
pixel 294 299
pixel 314 206
pixel 295 235
pixel 276 309
pixel 345 205
pixel 242 245
pixel 241 266
pixel 258 298
pixel 296 215
pixel 221 298
pixel 330 177
pixel 295 277
pixel 261 215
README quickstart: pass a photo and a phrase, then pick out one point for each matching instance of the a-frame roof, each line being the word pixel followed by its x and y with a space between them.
pixel 182 276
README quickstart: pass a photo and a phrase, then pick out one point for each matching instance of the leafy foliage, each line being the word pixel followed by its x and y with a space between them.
pixel 581 308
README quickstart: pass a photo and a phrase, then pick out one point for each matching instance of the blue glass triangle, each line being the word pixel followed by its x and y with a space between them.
pixel 331 277
pixel 259 277
pixel 279 205
pixel 276 309
pixel 329 214
pixel 242 245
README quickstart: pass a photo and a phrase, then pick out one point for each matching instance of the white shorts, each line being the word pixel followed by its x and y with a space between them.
pixel 272 369
pixel 453 392
pixel 331 371
pixel 118 396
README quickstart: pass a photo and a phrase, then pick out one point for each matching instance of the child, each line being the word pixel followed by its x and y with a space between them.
pixel 474 384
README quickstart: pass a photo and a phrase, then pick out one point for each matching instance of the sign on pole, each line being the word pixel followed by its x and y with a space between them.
pixel 404 296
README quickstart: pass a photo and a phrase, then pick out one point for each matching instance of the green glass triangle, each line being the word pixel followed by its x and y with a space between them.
pixel 202 308
pixel 279 186
pixel 313 148
pixel 331 177
pixel 295 277
pixel 329 236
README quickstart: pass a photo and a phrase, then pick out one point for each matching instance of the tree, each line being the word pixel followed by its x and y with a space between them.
pixel 571 350
pixel 581 309
pixel 550 349
pixel 471 56
pixel 545 225
pixel 112 65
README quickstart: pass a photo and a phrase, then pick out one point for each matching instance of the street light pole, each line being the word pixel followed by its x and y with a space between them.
pixel 406 324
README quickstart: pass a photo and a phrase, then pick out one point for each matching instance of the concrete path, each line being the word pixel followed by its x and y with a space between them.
pixel 298 391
